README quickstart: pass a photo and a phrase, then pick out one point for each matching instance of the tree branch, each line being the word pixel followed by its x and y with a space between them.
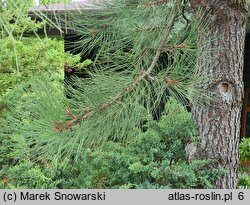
pixel 143 74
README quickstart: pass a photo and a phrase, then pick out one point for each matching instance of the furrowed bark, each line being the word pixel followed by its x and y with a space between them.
pixel 219 121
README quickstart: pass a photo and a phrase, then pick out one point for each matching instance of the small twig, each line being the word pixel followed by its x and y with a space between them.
pixel 70 114
pixel 170 82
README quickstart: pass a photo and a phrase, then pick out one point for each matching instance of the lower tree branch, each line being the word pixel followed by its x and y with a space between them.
pixel 119 97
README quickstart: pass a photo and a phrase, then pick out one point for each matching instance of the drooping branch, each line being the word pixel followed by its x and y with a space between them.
pixel 87 113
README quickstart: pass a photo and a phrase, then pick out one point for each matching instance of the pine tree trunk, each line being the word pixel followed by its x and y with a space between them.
pixel 219 121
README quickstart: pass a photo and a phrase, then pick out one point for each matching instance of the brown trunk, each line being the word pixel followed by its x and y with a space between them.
pixel 219 121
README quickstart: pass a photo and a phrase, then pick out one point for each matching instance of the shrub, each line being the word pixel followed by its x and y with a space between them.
pixel 244 181
pixel 32 57
pixel 153 159
pixel 245 149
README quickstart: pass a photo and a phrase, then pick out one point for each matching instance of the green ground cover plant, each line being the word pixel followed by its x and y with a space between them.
pixel 153 159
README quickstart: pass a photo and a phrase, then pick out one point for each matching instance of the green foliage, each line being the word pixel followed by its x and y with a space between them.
pixel 75 61
pixel 152 159
pixel 35 58
pixel 244 177
pixel 7 81
pixel 244 181
pixel 24 57
pixel 31 55
pixel 245 149
pixel 15 20
pixel 27 174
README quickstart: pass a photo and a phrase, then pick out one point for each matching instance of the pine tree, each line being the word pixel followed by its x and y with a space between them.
pixel 219 121
pixel 145 51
